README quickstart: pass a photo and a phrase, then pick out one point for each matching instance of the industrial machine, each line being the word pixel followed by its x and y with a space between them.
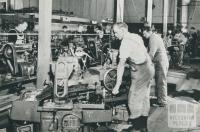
pixel 18 63
pixel 79 97
pixel 71 104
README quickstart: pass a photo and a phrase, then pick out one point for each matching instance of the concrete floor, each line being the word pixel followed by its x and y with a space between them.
pixel 159 118
pixel 184 94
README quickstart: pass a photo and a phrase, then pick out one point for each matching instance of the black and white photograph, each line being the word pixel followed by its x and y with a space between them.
pixel 99 65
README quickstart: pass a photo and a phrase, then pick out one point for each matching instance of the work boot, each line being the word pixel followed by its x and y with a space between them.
pixel 144 130
pixel 131 129
pixel 159 105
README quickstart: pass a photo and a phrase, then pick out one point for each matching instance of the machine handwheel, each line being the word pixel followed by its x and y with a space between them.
pixel 8 51
pixel 110 79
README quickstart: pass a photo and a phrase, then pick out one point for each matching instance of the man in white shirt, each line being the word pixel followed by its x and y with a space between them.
pixel 133 52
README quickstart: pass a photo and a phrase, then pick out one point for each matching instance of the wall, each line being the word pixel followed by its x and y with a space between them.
pixel 193 14
pixel 31 3
pixel 158 11
pixel 91 9
pixel 135 10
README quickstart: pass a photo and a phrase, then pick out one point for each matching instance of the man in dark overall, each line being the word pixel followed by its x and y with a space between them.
pixel 133 52
pixel 158 55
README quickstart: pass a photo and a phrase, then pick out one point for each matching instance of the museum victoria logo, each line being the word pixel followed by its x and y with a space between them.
pixel 181 115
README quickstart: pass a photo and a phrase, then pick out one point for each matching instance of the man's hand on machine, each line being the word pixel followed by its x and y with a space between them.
pixel 115 90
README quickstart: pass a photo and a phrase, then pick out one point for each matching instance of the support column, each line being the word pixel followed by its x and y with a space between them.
pixel 165 16
pixel 44 42
pixel 120 11
pixel 175 13
pixel 184 13
pixel 149 12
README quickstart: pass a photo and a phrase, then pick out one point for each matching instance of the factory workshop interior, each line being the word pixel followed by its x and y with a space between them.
pixel 99 65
